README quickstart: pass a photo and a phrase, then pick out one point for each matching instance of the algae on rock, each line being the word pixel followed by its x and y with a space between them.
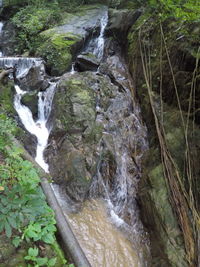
pixel 56 49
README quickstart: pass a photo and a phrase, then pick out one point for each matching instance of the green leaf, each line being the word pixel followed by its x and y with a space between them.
pixel 37 227
pixel 12 221
pixel 8 229
pixel 2 223
pixel 28 258
pixel 51 228
pixel 52 262
pixel 42 261
pixel 49 239
pixel 33 252
pixel 31 234
pixel 16 241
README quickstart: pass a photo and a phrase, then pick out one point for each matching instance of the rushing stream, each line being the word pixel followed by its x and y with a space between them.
pixel 37 128
pixel 97 224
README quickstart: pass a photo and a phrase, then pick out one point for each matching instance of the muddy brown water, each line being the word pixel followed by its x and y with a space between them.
pixel 103 244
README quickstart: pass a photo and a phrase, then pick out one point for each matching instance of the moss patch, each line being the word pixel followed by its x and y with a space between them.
pixel 76 103
pixel 6 97
pixel 56 49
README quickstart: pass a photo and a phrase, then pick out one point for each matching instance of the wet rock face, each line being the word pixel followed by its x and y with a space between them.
pixel 75 133
pixel 33 80
pixel 31 101
pixel 120 22
pixel 8 39
pixel 87 62
pixel 94 131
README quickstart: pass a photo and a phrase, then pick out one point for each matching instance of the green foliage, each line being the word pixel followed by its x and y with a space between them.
pixel 6 96
pixel 179 9
pixel 56 50
pixel 25 215
pixel 22 201
pixel 30 21
pixel 33 256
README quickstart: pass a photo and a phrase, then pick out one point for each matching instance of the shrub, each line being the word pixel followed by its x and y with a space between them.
pixel 30 21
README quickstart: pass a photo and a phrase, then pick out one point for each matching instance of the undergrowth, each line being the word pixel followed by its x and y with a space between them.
pixel 25 217
pixel 30 21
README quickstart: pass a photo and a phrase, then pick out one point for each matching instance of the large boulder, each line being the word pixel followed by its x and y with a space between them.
pixel 119 22
pixel 29 73
pixel 75 132
pixel 31 101
pixel 34 79
pixel 93 124
pixel 8 39
pixel 60 44
pixel 86 62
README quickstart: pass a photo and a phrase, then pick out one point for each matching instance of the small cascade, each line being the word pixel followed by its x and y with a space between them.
pixel 1 27
pixel 99 48
pixel 37 128
pixel 73 68
pixel 128 135
pixel 21 65
pixel 96 46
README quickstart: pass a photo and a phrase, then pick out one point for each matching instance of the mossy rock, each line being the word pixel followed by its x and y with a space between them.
pixel 167 245
pixel 31 101
pixel 6 97
pixel 59 45
pixel 56 49
pixel 74 104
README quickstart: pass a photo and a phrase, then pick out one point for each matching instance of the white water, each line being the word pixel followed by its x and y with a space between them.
pixel 99 49
pixel 72 69
pixel 1 27
pixel 96 46
pixel 22 65
pixel 37 128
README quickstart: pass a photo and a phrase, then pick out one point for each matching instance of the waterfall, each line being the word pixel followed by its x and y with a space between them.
pixel 21 65
pixel 99 48
pixel 37 128
pixel 121 195
pixel 1 27
pixel 96 46
pixel 72 71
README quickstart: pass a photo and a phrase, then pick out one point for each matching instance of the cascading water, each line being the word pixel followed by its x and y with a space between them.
pixel 96 46
pixel 37 128
pixel 99 48
pixel 1 27
pixel 72 68
pixel 122 124
pixel 21 65
pixel 123 127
